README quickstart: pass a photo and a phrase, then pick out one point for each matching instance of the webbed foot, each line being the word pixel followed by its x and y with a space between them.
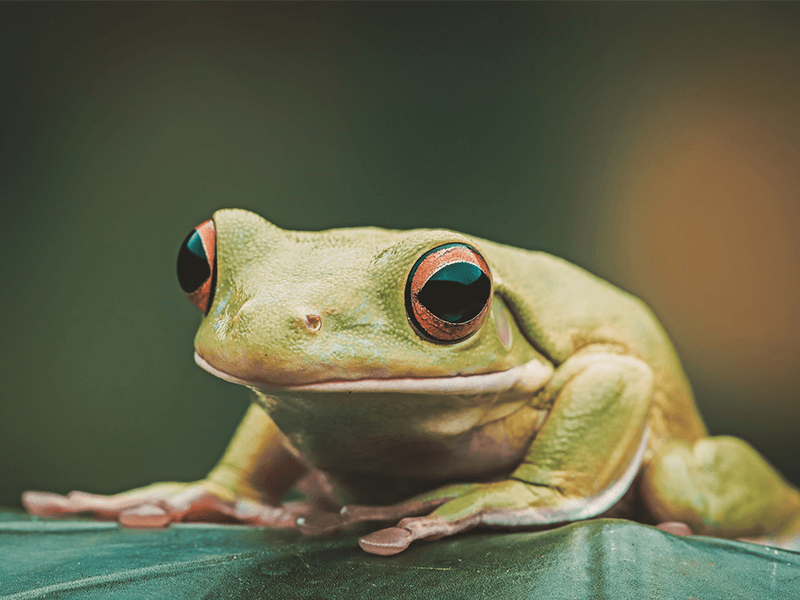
pixel 159 504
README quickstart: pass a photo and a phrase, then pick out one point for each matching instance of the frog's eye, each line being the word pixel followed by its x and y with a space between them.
pixel 197 265
pixel 448 293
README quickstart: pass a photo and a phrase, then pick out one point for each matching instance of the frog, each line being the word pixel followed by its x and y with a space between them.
pixel 432 382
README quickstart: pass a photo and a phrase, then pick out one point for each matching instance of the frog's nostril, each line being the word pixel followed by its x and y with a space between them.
pixel 313 323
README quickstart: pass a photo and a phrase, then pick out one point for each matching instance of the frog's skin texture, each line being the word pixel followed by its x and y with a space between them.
pixel 565 400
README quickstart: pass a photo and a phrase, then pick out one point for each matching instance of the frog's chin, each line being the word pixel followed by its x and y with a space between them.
pixel 528 377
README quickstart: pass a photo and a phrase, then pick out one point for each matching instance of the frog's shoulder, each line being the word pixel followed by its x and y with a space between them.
pixel 564 308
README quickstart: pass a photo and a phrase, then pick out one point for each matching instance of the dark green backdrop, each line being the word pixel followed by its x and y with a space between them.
pixel 124 126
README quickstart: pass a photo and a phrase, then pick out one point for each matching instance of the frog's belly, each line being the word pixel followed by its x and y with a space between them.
pixel 468 442
pixel 375 469
pixel 471 456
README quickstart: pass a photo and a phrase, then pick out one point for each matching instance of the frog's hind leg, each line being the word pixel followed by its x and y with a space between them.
pixel 721 486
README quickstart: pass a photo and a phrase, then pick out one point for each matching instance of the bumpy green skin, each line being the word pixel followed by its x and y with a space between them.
pixel 615 375
pixel 568 396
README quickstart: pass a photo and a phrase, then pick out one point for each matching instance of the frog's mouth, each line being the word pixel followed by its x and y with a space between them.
pixel 526 378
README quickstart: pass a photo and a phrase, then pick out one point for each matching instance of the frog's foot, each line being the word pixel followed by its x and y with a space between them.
pixel 721 486
pixel 393 540
pixel 326 522
pixel 508 503
pixel 457 507
pixel 159 504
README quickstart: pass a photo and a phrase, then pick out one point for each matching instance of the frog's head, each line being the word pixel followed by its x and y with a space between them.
pixel 352 310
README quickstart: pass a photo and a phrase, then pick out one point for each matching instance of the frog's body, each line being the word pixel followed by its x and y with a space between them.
pixel 527 392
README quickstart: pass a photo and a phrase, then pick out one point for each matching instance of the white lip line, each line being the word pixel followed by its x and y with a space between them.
pixel 530 376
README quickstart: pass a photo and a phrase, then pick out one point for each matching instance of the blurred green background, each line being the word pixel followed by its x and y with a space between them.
pixel 657 145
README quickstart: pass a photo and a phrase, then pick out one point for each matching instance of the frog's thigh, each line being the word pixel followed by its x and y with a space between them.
pixel 719 486
pixel 586 454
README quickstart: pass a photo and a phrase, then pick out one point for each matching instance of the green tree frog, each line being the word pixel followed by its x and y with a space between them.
pixel 435 382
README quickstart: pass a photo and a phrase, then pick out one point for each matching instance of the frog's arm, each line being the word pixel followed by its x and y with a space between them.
pixel 580 463
pixel 255 471
pixel 257 463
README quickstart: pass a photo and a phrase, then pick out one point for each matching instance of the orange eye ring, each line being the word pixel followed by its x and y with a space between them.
pixel 197 265
pixel 449 293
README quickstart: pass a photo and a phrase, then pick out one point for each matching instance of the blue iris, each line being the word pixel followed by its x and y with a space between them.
pixel 195 245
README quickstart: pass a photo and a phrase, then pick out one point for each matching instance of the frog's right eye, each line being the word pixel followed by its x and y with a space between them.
pixel 448 293
pixel 197 265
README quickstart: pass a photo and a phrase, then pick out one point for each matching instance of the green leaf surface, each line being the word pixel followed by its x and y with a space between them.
pixel 595 559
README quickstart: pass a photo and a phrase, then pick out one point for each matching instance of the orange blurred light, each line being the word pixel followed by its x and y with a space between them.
pixel 707 215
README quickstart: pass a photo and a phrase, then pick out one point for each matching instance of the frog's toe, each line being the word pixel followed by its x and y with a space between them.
pixel 274 517
pixel 675 528
pixel 326 522
pixel 146 516
pixel 386 542
pixel 196 503
pixel 46 504
pixel 396 539
pixel 320 522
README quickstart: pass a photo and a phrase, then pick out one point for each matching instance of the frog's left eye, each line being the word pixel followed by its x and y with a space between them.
pixel 448 293
pixel 197 265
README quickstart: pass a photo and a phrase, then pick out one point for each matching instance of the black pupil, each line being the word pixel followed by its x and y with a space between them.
pixel 193 264
pixel 456 293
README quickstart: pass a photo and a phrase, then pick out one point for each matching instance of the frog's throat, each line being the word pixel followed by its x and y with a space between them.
pixel 528 377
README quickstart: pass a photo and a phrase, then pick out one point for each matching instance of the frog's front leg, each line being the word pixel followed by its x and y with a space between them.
pixel 721 486
pixel 245 486
pixel 580 463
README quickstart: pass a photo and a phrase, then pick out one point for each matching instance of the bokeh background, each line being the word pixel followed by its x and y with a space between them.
pixel 657 145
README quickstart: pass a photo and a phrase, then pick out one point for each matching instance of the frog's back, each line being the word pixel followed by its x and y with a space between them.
pixel 563 309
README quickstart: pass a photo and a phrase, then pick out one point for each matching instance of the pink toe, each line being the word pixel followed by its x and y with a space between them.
pixel 146 516
pixel 675 528
pixel 45 504
pixel 386 541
